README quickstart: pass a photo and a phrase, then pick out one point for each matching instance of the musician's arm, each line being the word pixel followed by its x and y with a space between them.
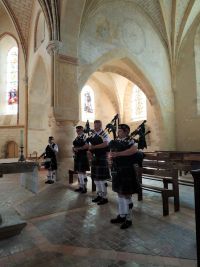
pixel 128 152
pixel 85 147
pixel 103 145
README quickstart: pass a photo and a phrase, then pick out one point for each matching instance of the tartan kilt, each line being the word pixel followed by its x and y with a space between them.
pixel 81 163
pixel 51 165
pixel 100 169
pixel 124 180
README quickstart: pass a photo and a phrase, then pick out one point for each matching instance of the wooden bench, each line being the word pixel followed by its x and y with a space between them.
pixel 166 176
pixel 160 159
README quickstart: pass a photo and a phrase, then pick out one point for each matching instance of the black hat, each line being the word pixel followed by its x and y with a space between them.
pixel 79 127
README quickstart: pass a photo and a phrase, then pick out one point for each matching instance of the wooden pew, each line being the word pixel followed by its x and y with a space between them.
pixel 167 175
pixel 179 160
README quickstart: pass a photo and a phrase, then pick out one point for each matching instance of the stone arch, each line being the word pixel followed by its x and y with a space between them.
pixel 127 68
pixel 39 16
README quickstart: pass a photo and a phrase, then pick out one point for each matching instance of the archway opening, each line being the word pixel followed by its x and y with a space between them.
pixel 120 88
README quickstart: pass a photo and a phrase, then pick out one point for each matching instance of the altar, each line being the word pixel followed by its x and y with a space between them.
pixel 10 222
pixel 28 172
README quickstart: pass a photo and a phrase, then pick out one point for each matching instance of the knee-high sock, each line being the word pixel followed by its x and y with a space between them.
pixel 85 180
pixel 128 204
pixel 49 175
pixel 121 207
pixel 81 180
pixel 103 185
pixel 98 188
pixel 53 175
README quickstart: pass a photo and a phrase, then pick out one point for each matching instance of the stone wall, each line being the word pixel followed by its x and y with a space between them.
pixel 187 118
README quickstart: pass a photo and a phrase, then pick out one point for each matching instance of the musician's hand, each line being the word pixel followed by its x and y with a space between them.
pixel 75 149
pixel 114 154
pixel 91 147
pixel 89 154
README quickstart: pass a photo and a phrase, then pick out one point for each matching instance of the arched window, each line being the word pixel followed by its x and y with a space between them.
pixel 87 103
pixel 12 80
pixel 8 75
pixel 139 104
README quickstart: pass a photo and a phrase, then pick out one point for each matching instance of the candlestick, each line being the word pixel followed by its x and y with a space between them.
pixel 21 157
pixel 21 137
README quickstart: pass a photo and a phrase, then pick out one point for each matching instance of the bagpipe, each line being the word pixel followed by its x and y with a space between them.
pixel 87 130
pixel 140 131
pixel 138 135
pixel 113 126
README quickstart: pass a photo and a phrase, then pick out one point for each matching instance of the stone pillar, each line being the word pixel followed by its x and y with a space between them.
pixel 65 106
pixel 63 132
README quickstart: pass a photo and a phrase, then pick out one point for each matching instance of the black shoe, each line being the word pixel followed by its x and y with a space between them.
pixel 80 189
pixel 102 201
pixel 97 199
pixel 126 224
pixel 51 182
pixel 84 191
pixel 48 182
pixel 119 219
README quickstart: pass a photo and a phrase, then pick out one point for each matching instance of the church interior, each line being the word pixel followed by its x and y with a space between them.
pixel 63 62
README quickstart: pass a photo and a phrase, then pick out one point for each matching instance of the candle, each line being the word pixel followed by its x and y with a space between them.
pixel 21 138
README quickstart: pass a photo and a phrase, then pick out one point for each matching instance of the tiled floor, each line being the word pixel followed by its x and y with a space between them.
pixel 66 229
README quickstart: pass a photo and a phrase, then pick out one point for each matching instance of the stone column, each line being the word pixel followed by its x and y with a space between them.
pixel 65 106
pixel 63 132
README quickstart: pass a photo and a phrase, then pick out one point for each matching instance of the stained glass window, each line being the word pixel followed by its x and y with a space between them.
pixel 87 103
pixel 12 80
pixel 139 106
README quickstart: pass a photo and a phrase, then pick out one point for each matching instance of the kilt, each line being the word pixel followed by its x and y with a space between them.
pixel 51 164
pixel 99 169
pixel 81 163
pixel 124 180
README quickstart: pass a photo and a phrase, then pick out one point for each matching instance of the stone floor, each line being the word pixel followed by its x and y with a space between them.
pixel 66 229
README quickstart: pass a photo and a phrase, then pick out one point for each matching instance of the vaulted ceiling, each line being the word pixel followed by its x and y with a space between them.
pixel 20 11
pixel 171 18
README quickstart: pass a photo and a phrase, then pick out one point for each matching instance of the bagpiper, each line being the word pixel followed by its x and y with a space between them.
pixel 124 180
pixel 98 150
pixel 81 163
pixel 50 163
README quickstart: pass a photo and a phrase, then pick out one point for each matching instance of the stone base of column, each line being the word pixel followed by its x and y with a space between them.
pixel 62 174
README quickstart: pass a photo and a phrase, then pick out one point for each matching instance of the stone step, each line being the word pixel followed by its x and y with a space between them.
pixel 10 223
